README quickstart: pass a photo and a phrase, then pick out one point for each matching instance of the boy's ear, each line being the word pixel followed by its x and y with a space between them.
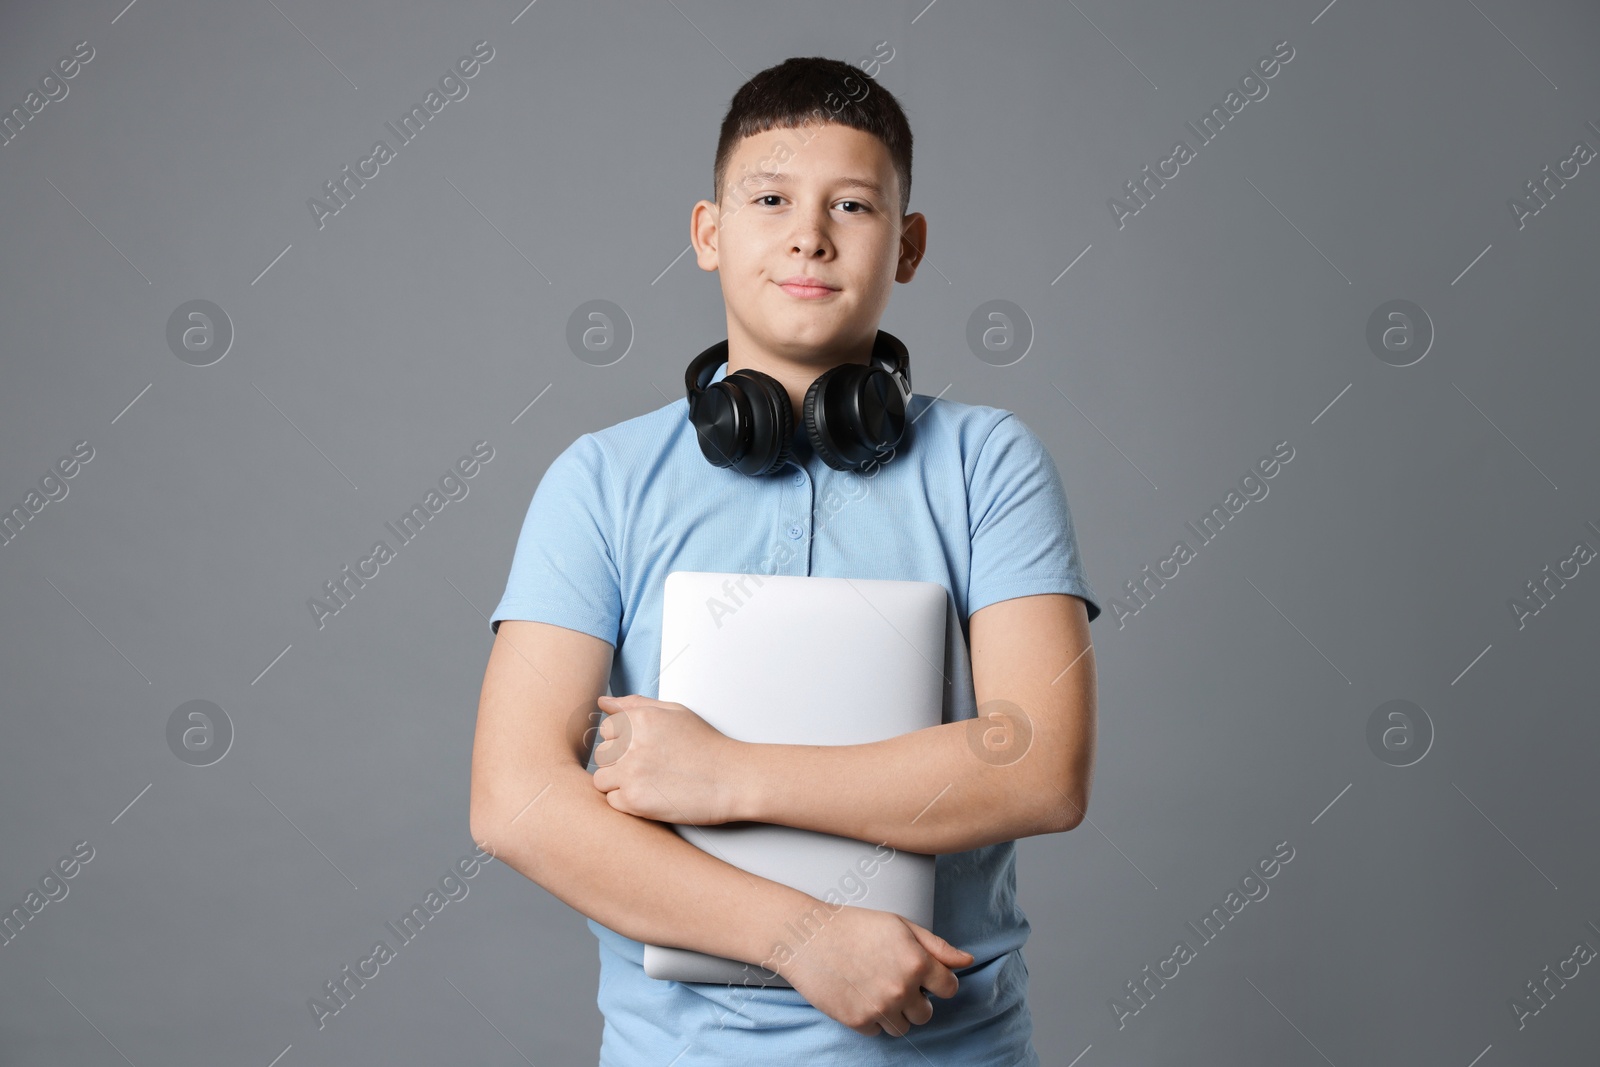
pixel 913 245
pixel 703 234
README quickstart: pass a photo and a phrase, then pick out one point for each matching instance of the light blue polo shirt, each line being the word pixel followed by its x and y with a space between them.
pixel 971 500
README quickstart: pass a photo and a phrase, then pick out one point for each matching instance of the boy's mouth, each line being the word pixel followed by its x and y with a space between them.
pixel 806 287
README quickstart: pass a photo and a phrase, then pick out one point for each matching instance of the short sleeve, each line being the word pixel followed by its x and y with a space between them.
pixel 1023 542
pixel 564 570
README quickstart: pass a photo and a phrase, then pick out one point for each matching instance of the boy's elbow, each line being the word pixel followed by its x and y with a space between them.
pixel 477 821
pixel 505 818
pixel 482 827
pixel 490 823
pixel 1068 811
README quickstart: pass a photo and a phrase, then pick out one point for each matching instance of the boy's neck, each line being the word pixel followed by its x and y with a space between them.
pixel 794 372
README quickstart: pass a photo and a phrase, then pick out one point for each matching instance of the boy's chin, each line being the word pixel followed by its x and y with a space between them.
pixel 807 338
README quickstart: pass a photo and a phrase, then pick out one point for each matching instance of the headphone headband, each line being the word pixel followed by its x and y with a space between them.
pixel 888 352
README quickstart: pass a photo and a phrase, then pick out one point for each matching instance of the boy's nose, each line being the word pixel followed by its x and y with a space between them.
pixel 810 240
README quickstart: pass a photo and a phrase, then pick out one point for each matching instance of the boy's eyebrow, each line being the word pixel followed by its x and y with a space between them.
pixel 772 177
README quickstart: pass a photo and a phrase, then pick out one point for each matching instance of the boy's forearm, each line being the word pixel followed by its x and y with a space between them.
pixel 637 876
pixel 930 791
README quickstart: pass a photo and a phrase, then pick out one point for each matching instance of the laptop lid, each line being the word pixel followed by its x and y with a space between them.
pixel 790 659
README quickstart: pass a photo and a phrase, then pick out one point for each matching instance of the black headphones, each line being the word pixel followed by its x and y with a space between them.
pixel 854 414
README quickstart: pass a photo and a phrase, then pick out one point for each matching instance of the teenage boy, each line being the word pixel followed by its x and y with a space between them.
pixel 808 233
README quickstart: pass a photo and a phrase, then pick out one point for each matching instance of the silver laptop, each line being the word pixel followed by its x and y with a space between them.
pixel 788 659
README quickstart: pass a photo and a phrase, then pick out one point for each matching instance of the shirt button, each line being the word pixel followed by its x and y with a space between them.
pixel 795 532
pixel 800 478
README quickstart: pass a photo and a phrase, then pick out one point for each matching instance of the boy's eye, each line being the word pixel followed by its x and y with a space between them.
pixel 858 203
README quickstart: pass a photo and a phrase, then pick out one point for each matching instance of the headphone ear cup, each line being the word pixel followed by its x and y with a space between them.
pixel 714 411
pixel 816 430
pixel 769 418
pixel 853 415
pixel 883 407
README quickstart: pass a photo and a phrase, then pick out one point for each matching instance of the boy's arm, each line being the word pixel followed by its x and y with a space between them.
pixel 1023 767
pixel 533 806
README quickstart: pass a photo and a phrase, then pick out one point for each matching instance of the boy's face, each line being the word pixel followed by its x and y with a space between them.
pixel 790 206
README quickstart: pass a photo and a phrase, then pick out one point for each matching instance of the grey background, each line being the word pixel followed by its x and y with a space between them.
pixel 1228 315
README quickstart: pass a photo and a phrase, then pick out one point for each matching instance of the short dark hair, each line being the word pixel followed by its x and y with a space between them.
pixel 813 89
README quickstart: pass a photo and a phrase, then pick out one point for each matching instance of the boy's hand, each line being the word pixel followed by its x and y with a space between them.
pixel 659 760
pixel 868 968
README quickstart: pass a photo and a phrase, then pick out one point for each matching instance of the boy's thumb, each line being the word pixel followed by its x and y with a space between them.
pixel 939 948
